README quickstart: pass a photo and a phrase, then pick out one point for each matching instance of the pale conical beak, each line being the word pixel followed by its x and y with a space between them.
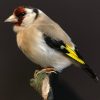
pixel 12 19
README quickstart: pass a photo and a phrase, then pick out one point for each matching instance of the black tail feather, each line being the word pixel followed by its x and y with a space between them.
pixel 90 72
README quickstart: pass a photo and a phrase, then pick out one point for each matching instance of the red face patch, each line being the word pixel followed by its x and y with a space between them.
pixel 19 10
pixel 19 13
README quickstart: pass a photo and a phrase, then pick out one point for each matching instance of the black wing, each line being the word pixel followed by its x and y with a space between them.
pixel 55 44
pixel 63 48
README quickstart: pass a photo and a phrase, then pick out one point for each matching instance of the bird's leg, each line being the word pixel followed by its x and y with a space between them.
pixel 49 69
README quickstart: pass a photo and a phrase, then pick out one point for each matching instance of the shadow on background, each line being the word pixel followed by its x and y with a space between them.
pixel 61 90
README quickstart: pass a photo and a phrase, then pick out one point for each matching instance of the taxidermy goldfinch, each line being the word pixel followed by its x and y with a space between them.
pixel 44 42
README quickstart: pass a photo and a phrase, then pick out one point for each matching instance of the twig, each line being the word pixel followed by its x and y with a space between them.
pixel 41 83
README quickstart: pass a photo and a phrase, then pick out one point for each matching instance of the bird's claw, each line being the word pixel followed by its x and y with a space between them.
pixel 49 70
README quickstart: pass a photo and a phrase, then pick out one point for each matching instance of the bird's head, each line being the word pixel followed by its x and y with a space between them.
pixel 23 16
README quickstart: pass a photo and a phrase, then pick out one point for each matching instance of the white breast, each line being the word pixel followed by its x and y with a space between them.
pixel 40 53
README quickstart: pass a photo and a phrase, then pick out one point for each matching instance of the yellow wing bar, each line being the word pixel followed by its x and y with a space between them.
pixel 73 54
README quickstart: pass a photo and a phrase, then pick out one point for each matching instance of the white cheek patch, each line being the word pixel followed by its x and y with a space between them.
pixel 29 18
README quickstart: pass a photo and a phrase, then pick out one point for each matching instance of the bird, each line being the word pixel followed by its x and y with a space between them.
pixel 44 42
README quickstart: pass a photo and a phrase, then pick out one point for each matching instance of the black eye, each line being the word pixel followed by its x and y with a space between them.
pixel 21 14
